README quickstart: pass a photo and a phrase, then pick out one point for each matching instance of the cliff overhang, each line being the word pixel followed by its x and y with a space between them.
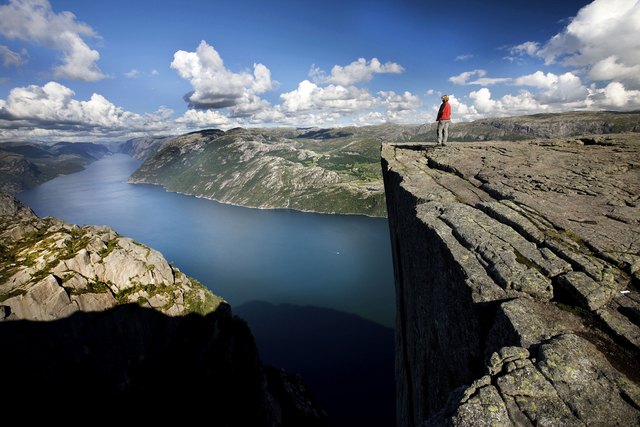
pixel 517 269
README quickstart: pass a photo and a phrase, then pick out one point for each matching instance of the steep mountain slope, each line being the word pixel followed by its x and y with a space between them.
pixel 25 165
pixel 334 171
pixel 143 147
pixel 326 170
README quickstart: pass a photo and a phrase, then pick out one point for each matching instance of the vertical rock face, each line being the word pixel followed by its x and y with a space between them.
pixel 517 271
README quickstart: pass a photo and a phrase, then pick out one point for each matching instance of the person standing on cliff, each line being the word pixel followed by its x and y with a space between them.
pixel 443 119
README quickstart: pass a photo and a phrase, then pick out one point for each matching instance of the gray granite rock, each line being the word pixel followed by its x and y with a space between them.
pixel 552 223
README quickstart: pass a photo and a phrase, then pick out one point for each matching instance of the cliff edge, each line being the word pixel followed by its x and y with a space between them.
pixel 91 320
pixel 517 267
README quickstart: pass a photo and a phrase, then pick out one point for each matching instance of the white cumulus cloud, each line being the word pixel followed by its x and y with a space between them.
pixel 51 110
pixel 526 48
pixel 611 68
pixel 361 71
pixel 309 96
pixel 214 85
pixel 464 78
pixel 615 96
pixel 566 87
pixel 54 103
pixel 603 39
pixel 204 118
pixel 396 102
pixel 484 105
pixel 34 21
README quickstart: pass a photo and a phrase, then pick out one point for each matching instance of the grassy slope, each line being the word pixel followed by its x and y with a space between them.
pixel 334 172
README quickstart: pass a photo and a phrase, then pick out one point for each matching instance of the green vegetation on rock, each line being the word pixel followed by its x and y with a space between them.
pixel 307 170
pixel 200 300
pixel 49 269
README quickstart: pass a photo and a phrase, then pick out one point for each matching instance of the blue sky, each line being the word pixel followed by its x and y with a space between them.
pixel 83 70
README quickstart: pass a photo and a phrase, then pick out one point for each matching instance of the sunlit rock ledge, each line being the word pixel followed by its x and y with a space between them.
pixel 517 272
pixel 50 269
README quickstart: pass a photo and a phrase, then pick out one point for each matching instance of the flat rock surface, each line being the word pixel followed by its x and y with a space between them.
pixel 553 219
pixel 592 189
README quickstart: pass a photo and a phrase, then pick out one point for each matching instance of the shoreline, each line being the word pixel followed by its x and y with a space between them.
pixel 253 207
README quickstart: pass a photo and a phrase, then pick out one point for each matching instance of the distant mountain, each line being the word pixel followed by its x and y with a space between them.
pixel 538 126
pixel 334 170
pixel 325 170
pixel 24 165
pixel 143 147
pixel 86 150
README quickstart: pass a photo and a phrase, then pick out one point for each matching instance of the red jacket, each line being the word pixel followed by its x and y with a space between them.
pixel 444 113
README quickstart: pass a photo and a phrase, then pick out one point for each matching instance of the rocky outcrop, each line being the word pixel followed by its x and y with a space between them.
pixel 88 316
pixel 517 270
pixel 51 269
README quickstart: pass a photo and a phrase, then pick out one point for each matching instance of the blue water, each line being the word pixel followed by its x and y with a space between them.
pixel 279 256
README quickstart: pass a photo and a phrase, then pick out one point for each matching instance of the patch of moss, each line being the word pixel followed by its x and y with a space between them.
pixel 111 245
pixel 194 303
pixel 123 296
pixel 521 259
pixel 97 287
pixel 74 244
pixel 35 235
pixel 567 237
pixel 142 245
pixel 6 255
pixel 30 259
pixel 11 294
pixel 45 271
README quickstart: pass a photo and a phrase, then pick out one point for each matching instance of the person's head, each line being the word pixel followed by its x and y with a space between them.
pixel 445 98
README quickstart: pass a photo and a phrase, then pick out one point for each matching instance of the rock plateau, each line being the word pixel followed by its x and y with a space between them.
pixel 517 267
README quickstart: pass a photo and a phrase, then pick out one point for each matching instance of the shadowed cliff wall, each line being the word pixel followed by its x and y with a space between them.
pixel 130 358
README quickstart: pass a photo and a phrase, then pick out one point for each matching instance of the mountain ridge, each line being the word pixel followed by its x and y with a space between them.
pixel 327 170
pixel 25 165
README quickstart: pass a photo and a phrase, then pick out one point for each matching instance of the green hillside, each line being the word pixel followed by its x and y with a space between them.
pixel 331 171
pixel 327 170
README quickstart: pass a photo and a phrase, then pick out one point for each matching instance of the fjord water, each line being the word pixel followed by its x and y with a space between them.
pixel 278 256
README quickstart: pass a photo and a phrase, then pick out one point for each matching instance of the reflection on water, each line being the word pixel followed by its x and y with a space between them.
pixel 278 256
